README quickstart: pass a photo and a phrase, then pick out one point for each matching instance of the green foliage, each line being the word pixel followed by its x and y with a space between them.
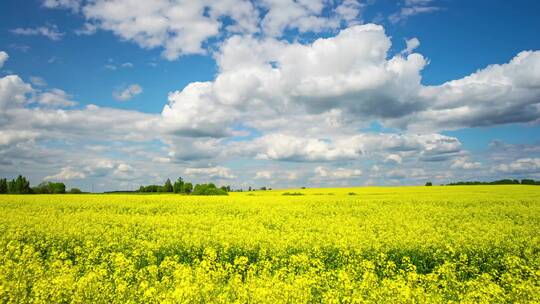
pixel 168 187
pixel 188 188
pixel 208 189
pixel 75 191
pixel 498 182
pixel 151 188
pixel 178 186
pixel 3 186
pixel 529 182
pixel 384 245
pixel 429 184
pixel 292 193
pixel 50 188
pixel 20 185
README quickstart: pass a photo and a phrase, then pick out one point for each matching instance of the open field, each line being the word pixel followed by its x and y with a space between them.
pixel 384 245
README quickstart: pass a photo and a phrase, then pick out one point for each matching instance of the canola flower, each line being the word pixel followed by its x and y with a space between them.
pixel 472 244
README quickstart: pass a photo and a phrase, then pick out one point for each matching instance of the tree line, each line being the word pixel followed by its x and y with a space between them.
pixel 497 182
pixel 182 187
pixel 21 185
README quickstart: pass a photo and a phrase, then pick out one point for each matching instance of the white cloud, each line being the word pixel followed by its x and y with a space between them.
pixel 49 31
pixel 87 29
pixel 211 172
pixel 338 173
pixel 38 81
pixel 71 4
pixel 463 163
pixel 412 44
pixel 347 73
pixel 520 166
pixel 13 92
pixel 128 93
pixel 10 137
pixel 412 8
pixel 183 27
pixel 55 98
pixel 393 158
pixel 497 94
pixel 263 175
pixel 3 58
pixel 66 173
pixel 291 148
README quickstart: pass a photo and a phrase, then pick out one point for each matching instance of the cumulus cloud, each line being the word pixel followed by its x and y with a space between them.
pixel 3 58
pixel 211 172
pixel 349 74
pixel 291 148
pixel 463 163
pixel 183 27
pixel 338 173
pixel 10 137
pixel 275 101
pixel 393 158
pixel 49 31
pixel 520 166
pixel 13 92
pixel 128 93
pixel 412 8
pixel 412 44
pixel 390 147
pixel 38 81
pixel 497 94
pixel 55 98
pixel 66 173
pixel 346 73
pixel 71 4
pixel 263 175
pixel 51 122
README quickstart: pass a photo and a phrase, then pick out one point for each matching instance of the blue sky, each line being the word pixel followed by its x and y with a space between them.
pixel 233 122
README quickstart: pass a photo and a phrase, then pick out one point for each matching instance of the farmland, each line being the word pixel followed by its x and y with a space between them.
pixel 352 245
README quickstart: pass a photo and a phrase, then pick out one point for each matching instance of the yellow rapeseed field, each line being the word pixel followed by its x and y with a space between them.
pixel 470 244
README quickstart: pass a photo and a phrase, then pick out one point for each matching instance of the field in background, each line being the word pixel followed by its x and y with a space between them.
pixel 377 244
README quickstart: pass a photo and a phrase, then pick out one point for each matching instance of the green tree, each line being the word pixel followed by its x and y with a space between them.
pixel 57 188
pixel 168 186
pixel 3 186
pixel 178 186
pixel 208 189
pixel 20 185
pixel 429 184
pixel 75 191
pixel 188 188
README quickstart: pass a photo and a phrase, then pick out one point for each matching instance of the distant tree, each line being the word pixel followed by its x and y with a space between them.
pixel 263 188
pixel 20 185
pixel 188 188
pixel 75 191
pixel 249 189
pixel 3 186
pixel 178 186
pixel 529 182
pixel 208 189
pixel 50 188
pixel 168 187
pixel 57 188
pixel 429 184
